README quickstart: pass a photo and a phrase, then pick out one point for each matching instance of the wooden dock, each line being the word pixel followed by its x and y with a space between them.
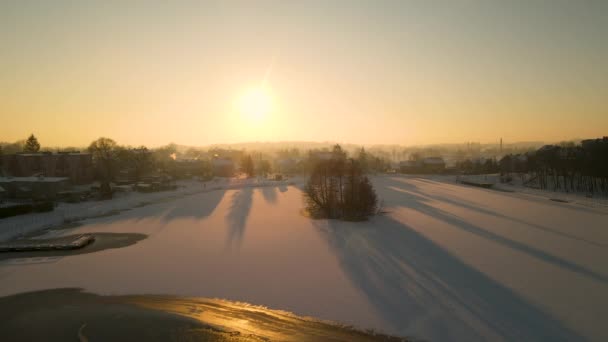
pixel 56 244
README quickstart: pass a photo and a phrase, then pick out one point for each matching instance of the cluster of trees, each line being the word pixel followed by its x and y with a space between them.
pixel 571 167
pixel 29 145
pixel 338 188
pixel 247 165
pixel 109 157
pixel 368 162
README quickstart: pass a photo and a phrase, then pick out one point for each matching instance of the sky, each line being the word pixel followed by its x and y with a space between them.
pixel 367 72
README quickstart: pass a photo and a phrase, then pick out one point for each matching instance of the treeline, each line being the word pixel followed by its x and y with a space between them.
pixel 568 167
pixel 338 188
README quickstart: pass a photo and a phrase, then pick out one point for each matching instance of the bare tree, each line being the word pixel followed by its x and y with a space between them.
pixel 105 152
pixel 138 159
pixel 264 167
pixel 247 165
pixel 338 188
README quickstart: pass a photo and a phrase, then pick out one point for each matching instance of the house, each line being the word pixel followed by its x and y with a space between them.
pixel 223 167
pixel 407 166
pixel 424 165
pixel 287 165
pixel 190 167
pixel 39 187
pixel 433 165
pixel 76 166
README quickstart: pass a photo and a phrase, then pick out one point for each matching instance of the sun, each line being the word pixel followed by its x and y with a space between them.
pixel 255 104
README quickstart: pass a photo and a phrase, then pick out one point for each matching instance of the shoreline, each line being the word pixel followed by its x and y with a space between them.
pixel 159 318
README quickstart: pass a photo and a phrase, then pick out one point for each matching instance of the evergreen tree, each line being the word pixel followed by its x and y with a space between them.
pixel 31 145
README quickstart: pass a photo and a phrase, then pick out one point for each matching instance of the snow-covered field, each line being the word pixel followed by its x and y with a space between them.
pixel 446 262
pixel 516 185
pixel 16 226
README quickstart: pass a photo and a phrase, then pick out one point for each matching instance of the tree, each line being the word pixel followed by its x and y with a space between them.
pixel 247 165
pixel 264 167
pixel 105 152
pixel 15 147
pixel 31 145
pixel 139 160
pixel 338 188
pixel 164 157
pixel 363 160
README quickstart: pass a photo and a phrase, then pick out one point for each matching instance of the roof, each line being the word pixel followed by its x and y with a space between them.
pixel 33 179
pixel 433 160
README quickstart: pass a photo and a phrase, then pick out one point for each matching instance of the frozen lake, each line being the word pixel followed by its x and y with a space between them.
pixel 447 262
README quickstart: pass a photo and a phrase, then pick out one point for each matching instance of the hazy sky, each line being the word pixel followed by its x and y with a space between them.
pixel 406 72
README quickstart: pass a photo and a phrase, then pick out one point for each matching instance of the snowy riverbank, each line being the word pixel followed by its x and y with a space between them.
pixel 16 226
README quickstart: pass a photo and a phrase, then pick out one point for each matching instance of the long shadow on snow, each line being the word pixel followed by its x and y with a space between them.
pixel 270 194
pixel 418 286
pixel 196 207
pixel 237 215
pixel 418 203
pixel 478 208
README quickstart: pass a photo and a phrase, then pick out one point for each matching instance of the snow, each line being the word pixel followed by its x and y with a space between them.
pixel 596 201
pixel 16 226
pixel 446 262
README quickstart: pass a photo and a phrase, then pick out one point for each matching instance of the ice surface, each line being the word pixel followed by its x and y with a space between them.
pixel 446 262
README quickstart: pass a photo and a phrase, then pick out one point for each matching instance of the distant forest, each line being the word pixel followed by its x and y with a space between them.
pixel 568 167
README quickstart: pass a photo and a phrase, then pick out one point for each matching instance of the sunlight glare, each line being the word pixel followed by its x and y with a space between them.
pixel 255 104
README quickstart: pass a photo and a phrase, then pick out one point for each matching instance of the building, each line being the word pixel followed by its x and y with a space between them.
pixel 424 165
pixel 433 164
pixel 39 187
pixel 407 166
pixel 223 167
pixel 3 194
pixel 76 166
pixel 191 167
pixel 287 165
